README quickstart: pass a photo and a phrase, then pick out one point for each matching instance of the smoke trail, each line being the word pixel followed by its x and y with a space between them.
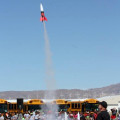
pixel 50 79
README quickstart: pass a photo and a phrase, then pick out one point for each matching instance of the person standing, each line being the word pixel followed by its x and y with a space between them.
pixel 1 117
pixel 36 117
pixel 32 117
pixel 103 115
pixel 118 116
pixel 27 116
pixel 82 117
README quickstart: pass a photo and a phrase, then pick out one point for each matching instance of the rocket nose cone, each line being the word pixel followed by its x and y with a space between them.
pixel 41 7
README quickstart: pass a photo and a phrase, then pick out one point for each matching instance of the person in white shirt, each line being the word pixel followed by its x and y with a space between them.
pixel 1 117
pixel 14 117
pixel 36 116
pixel 118 115
pixel 32 117
pixel 27 116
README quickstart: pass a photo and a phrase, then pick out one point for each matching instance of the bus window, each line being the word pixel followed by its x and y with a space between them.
pixel 63 108
pixel 10 106
pixel 76 106
pixel 34 107
pixel 73 105
pixel 68 106
pixel 3 108
pixel 25 108
pixel 91 107
pixel 15 106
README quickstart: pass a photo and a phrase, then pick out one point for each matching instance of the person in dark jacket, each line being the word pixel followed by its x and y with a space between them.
pixel 103 115
pixel 82 117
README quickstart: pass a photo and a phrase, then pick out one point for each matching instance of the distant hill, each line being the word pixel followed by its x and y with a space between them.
pixel 64 93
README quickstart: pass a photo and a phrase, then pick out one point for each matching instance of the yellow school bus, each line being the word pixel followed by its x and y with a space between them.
pixel 63 105
pixel 38 104
pixel 34 104
pixel 12 107
pixel 75 106
pixel 29 105
pixel 90 105
pixel 3 106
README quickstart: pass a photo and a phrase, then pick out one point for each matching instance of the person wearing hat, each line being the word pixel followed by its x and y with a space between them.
pixel 103 115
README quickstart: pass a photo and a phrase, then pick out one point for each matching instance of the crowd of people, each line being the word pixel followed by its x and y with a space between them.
pixel 102 114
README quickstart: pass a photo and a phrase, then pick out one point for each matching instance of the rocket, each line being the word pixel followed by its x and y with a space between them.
pixel 42 18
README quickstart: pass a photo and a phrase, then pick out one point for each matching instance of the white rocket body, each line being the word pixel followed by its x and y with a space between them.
pixel 41 8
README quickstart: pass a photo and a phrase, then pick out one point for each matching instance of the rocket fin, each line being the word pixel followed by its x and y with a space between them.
pixel 45 19
pixel 41 19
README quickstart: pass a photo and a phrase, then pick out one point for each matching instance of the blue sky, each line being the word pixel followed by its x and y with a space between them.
pixel 84 37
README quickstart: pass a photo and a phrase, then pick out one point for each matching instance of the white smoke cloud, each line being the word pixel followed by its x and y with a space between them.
pixel 50 78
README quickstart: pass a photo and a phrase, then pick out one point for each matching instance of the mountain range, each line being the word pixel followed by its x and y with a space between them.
pixel 64 93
